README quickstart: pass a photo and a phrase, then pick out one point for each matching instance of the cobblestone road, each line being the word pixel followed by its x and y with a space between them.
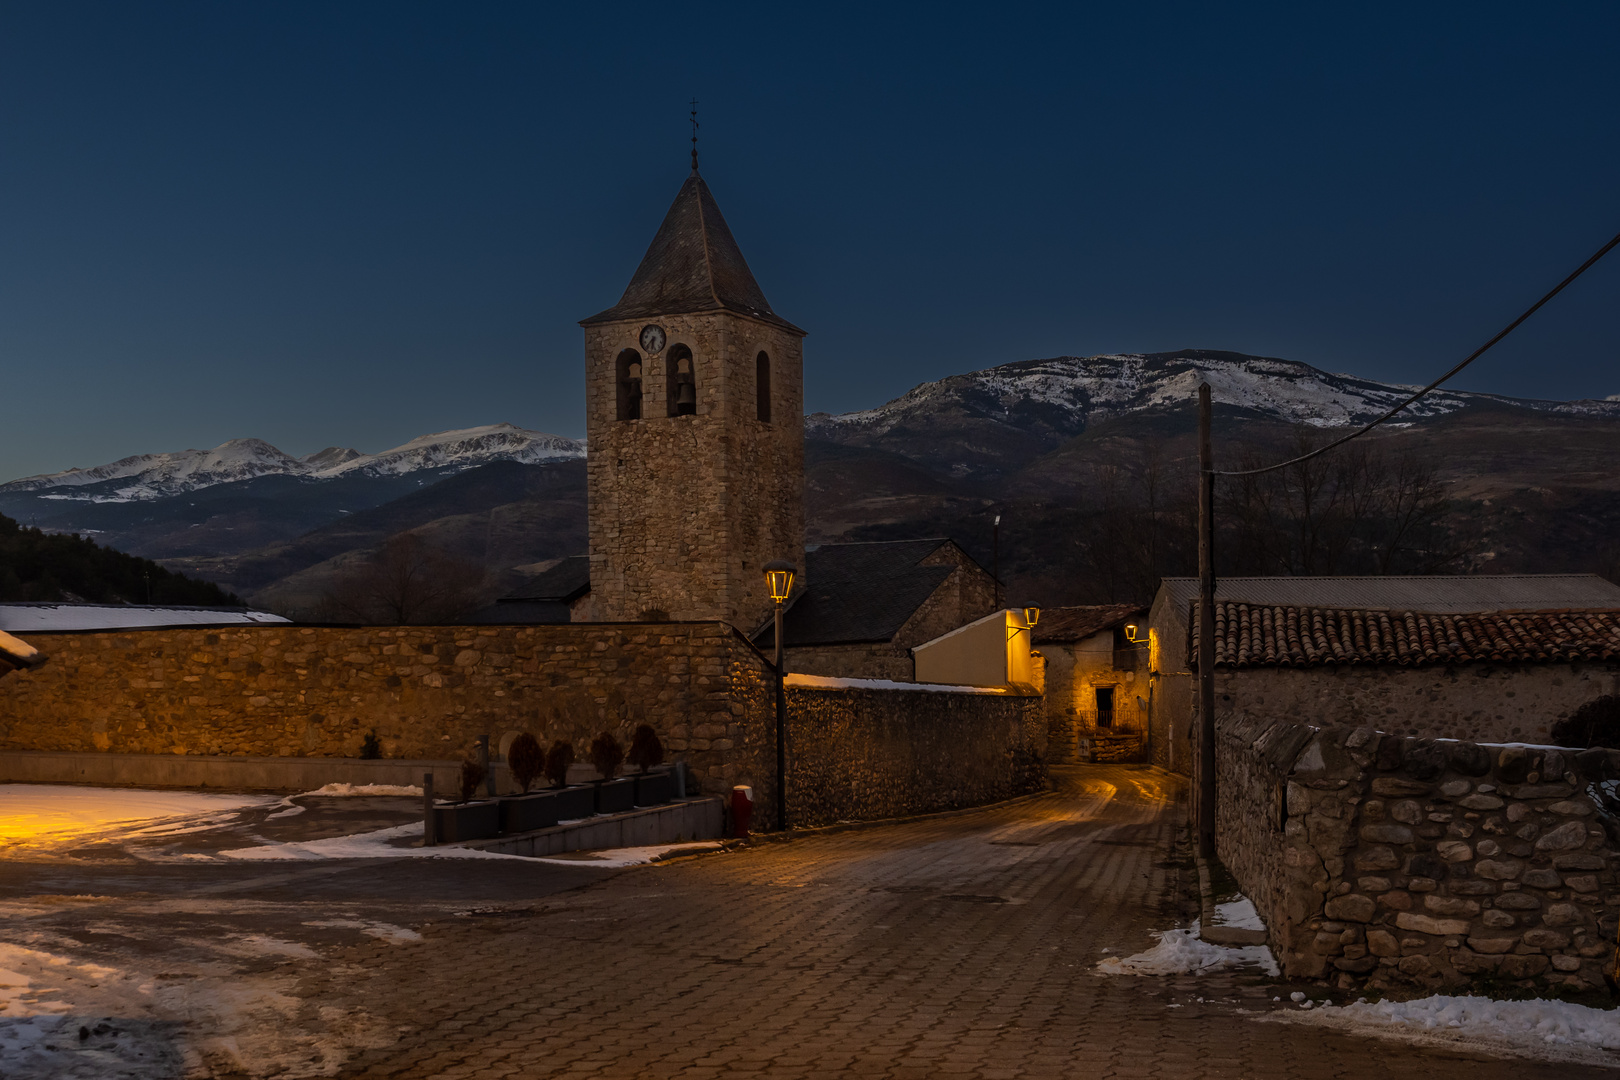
pixel 955 946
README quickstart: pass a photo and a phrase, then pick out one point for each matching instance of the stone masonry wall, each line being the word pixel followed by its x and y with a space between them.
pixel 428 692
pixel 866 754
pixel 685 511
pixel 1384 861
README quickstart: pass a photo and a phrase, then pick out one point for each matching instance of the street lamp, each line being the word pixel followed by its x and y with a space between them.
pixel 779 580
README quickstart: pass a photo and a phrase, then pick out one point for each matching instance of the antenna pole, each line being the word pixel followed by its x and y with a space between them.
pixel 1204 809
pixel 694 134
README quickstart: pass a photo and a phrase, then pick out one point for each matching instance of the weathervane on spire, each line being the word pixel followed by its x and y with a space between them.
pixel 694 134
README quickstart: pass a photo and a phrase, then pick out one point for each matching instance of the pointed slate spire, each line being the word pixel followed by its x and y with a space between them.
pixel 692 265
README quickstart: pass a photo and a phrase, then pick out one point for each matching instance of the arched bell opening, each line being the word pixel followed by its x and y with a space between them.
pixel 682 375
pixel 762 387
pixel 629 379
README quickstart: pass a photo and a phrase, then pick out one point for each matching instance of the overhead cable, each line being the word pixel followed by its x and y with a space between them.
pixel 1475 355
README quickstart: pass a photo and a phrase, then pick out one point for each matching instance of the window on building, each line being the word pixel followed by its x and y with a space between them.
pixel 682 376
pixel 1105 706
pixel 762 386
pixel 629 385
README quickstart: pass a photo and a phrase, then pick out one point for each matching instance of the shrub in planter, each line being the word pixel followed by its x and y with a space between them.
pixel 371 747
pixel 468 820
pixel 612 796
pixel 557 762
pixel 646 749
pixel 526 761
pixel 472 774
pixel 607 755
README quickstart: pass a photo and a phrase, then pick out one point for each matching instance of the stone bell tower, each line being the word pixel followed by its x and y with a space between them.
pixel 694 397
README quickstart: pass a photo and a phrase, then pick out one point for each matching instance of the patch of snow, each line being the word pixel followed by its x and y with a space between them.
pixel 371 845
pixel 826 682
pixel 1536 1028
pixel 1239 914
pixel 50 618
pixel 615 858
pixel 394 935
pixel 1182 952
pixel 331 790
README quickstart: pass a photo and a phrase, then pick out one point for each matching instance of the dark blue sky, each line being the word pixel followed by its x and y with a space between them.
pixel 354 224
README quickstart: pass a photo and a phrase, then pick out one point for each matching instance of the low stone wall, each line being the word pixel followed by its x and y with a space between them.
pixel 428 692
pixel 240 773
pixel 1385 861
pixel 860 754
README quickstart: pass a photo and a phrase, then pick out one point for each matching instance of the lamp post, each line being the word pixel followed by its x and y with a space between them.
pixel 779 580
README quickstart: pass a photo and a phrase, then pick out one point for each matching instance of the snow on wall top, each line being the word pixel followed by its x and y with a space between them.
pixel 153 476
pixel 48 618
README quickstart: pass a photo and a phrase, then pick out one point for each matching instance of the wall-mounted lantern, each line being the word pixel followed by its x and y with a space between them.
pixel 1130 634
pixel 779 575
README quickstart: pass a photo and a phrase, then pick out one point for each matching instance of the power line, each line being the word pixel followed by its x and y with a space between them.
pixel 1475 355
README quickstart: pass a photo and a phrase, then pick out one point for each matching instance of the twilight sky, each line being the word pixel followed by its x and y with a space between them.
pixel 357 223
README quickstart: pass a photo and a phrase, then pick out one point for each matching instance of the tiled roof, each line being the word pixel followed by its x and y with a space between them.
pixel 1429 592
pixel 1075 623
pixel 859 593
pixel 566 582
pixel 693 264
pixel 1248 636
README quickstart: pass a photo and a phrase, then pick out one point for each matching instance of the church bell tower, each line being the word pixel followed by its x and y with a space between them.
pixel 694 395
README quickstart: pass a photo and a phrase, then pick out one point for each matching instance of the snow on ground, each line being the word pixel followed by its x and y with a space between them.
pixel 1556 1030
pixel 335 790
pixel 387 843
pixel 1182 952
pixel 1239 914
pixel 629 856
pixel 53 813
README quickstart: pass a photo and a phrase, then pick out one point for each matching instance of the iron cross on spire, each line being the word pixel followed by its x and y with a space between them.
pixel 694 134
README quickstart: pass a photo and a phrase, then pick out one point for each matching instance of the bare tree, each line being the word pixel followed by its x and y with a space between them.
pixel 406 581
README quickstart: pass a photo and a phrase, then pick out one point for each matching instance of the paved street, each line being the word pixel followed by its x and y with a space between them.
pixel 961 945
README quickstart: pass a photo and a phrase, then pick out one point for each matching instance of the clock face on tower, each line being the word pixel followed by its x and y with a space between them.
pixel 652 339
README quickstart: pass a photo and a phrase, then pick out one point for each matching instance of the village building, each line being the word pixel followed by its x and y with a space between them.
pixel 1098 694
pixel 1495 659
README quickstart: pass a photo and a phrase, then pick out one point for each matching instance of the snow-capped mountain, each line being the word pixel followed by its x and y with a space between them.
pixel 146 477
pixel 1063 395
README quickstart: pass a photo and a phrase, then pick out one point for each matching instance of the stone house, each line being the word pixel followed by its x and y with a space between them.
pixel 1479 658
pixel 1098 695
pixel 865 606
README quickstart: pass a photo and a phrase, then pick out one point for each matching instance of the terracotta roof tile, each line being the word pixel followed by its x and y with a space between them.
pixel 1255 635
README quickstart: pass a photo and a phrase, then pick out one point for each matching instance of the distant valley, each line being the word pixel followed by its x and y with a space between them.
pixel 1068 450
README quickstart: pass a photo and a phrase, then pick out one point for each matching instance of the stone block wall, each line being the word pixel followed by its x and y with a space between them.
pixel 1384 861
pixel 428 692
pixel 859 754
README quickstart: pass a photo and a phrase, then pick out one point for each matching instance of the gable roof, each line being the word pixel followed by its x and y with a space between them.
pixel 1076 623
pixel 564 583
pixel 1432 593
pixel 693 264
pixel 1249 636
pixel 857 593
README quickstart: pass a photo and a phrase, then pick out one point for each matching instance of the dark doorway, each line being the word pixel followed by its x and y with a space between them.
pixel 1105 706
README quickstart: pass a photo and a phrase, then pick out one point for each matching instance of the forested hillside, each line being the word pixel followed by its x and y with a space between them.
pixel 44 566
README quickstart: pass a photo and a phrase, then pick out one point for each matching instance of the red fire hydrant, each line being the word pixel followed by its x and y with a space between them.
pixel 742 810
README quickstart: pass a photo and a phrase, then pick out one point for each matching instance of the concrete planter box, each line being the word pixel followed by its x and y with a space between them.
pixel 576 802
pixel 526 813
pixel 466 821
pixel 616 796
pixel 654 788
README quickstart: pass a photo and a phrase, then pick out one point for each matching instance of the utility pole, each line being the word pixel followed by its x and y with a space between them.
pixel 995 557
pixel 1204 809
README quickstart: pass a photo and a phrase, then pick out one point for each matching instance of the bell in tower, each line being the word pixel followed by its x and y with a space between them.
pixel 695 431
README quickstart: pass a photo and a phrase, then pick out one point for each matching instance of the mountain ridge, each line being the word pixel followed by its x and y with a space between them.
pixel 148 477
